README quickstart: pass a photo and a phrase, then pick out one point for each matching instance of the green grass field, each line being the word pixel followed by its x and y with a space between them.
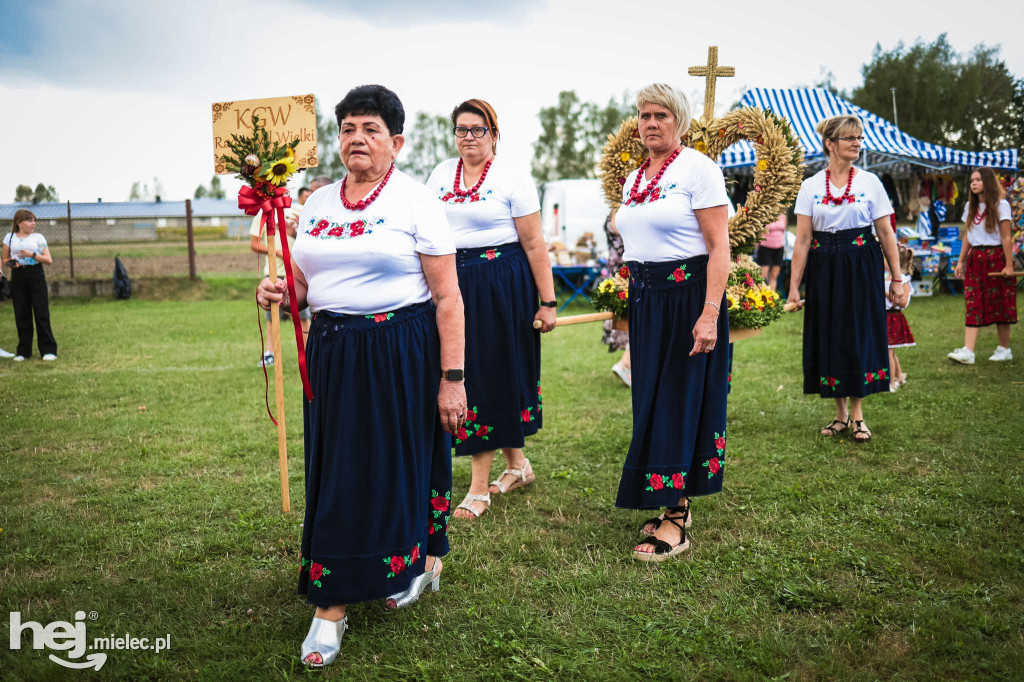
pixel 139 481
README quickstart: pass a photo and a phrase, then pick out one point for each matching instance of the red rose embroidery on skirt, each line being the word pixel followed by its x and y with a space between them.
pixel 677 481
pixel 491 254
pixel 439 503
pixel 714 466
pixel 656 482
pixel 397 564
pixel 720 442
pixel 483 430
pixel 414 554
pixel 316 571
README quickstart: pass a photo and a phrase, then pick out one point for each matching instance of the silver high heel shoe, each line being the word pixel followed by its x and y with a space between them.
pixel 416 588
pixel 324 638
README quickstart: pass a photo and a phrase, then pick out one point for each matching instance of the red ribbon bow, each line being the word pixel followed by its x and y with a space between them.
pixel 272 201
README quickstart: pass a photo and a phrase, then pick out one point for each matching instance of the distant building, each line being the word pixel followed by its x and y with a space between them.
pixel 130 221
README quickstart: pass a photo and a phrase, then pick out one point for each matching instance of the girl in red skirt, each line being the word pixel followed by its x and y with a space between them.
pixel 987 249
pixel 900 335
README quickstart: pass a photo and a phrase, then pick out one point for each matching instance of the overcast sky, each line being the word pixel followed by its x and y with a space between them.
pixel 96 95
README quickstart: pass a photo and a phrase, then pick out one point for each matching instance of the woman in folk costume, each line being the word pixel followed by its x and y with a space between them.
pixel 673 222
pixel 376 263
pixel 843 229
pixel 503 265
pixel 987 248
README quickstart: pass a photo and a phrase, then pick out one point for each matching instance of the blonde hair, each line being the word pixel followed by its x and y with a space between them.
pixel 832 128
pixel 672 99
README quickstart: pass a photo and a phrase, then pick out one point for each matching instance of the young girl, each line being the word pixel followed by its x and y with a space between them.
pixel 987 248
pixel 900 335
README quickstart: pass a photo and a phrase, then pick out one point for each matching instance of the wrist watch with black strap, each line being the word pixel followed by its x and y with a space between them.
pixel 549 304
pixel 453 374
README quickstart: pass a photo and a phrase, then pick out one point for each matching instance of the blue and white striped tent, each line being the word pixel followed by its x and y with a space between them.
pixel 885 144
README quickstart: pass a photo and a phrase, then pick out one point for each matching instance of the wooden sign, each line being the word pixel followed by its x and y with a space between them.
pixel 286 118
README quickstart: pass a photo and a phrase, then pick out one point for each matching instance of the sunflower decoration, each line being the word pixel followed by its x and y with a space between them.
pixel 752 304
pixel 259 163
pixel 622 154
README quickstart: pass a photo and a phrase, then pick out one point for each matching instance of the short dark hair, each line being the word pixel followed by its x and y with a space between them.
pixel 373 100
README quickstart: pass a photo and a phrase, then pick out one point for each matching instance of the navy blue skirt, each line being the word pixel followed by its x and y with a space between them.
pixel 678 446
pixel 378 461
pixel 846 350
pixel 502 349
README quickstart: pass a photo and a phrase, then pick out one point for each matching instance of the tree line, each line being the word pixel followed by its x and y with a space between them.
pixel 971 101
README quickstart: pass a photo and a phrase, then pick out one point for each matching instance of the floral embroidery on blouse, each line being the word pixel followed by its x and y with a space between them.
pixel 316 570
pixel 715 464
pixel 397 564
pixel 355 228
pixel 851 199
pixel 449 197
pixel 380 317
pixel 660 481
pixel 831 382
pixel 679 274
pixel 871 377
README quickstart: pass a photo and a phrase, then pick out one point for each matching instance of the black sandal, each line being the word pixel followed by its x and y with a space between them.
pixel 860 429
pixel 832 427
pixel 657 520
pixel 663 550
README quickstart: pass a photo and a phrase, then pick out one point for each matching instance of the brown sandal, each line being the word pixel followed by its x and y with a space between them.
pixel 833 427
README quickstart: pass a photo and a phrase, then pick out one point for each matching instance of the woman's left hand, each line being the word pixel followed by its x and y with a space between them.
pixel 895 292
pixel 451 401
pixel 705 333
pixel 546 316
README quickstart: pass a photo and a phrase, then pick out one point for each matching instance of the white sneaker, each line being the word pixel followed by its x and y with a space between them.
pixel 5 354
pixel 268 360
pixel 623 373
pixel 19 358
pixel 1002 354
pixel 902 379
pixel 962 355
pixel 49 357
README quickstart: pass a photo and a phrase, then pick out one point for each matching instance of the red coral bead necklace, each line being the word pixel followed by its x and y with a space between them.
pixel 363 203
pixel 458 178
pixel 636 197
pixel 847 198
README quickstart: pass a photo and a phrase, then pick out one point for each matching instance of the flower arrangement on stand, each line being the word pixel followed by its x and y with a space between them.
pixel 752 305
pixel 612 296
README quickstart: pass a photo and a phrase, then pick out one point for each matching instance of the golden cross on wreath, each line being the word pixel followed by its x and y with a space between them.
pixel 712 71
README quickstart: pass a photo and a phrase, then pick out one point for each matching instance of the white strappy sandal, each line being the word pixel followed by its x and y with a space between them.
pixel 469 498
pixel 524 476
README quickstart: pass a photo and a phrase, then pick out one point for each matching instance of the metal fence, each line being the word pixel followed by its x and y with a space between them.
pixel 190 238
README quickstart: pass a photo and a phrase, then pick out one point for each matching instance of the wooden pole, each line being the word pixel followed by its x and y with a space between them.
pixel 793 307
pixel 576 319
pixel 999 274
pixel 191 240
pixel 71 251
pixel 275 340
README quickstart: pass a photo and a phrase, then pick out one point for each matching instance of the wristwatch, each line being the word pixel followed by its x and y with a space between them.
pixel 549 304
pixel 453 374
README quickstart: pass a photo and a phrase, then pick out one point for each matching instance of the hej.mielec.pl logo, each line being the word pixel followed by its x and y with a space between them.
pixel 63 636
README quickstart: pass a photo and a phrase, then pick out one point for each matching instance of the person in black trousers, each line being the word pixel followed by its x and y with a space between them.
pixel 25 251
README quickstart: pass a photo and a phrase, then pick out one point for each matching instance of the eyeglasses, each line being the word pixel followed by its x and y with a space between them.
pixel 474 132
pixel 851 138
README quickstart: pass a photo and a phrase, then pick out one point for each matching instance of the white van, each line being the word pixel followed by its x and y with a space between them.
pixel 571 207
